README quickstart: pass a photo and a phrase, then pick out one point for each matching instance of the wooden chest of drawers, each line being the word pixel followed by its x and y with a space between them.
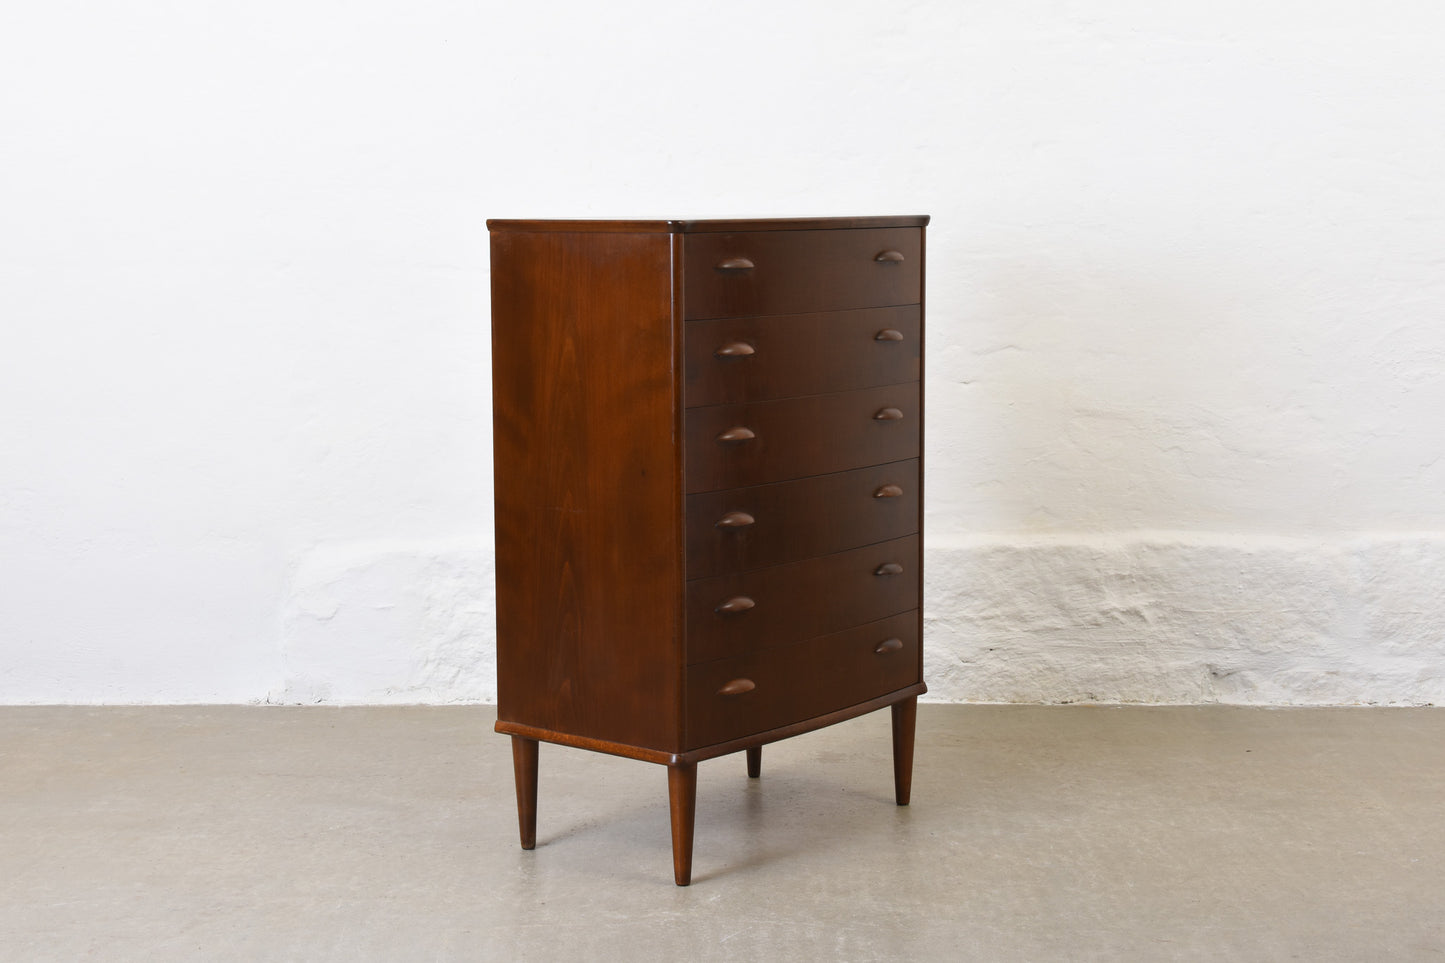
pixel 708 440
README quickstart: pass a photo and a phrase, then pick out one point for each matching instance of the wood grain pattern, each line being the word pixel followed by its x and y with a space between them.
pixel 798 519
pixel 800 681
pixel 798 437
pixel 800 354
pixel 799 600
pixel 784 592
pixel 587 485
pixel 798 272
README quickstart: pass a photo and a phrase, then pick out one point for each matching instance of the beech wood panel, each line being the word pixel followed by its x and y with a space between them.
pixel 797 437
pixel 796 272
pixel 800 354
pixel 802 680
pixel 588 488
pixel 798 519
pixel 799 600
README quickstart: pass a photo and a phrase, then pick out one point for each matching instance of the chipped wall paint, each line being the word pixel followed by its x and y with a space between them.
pixel 1184 366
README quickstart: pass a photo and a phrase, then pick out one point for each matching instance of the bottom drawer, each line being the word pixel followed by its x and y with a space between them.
pixel 730 698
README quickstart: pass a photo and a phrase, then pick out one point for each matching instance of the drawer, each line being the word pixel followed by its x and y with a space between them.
pixel 758 359
pixel 796 272
pixel 728 615
pixel 752 693
pixel 729 446
pixel 747 528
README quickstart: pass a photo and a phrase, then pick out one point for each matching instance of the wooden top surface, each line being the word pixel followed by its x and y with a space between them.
pixel 709 226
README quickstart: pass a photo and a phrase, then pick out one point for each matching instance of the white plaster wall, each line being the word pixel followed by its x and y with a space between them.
pixel 1187 323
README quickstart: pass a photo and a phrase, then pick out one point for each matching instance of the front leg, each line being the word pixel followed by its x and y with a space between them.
pixel 682 802
pixel 905 717
pixel 524 768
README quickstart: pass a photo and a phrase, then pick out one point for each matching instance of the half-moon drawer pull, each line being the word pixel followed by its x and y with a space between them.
pixel 736 349
pixel 738 603
pixel 890 256
pixel 888 491
pixel 737 434
pixel 737 687
pixel 743 264
pixel 888 645
pixel 889 568
pixel 888 414
pixel 888 334
pixel 735 520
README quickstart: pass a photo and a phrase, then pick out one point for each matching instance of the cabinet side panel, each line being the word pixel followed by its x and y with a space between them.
pixel 588 487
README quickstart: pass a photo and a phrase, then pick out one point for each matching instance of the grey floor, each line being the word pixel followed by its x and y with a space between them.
pixel 1036 833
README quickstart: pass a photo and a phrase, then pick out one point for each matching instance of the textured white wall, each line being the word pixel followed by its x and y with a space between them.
pixel 1186 334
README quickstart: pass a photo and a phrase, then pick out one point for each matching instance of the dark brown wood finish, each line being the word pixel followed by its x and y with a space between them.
pixel 524 766
pixel 755 762
pixel 608 407
pixel 806 725
pixel 905 718
pixel 732 446
pixel 704 753
pixel 585 405
pixel 799 600
pixel 798 681
pixel 796 272
pixel 742 529
pixel 682 807
pixel 760 359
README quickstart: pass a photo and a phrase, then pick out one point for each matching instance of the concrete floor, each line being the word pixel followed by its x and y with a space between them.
pixel 1036 833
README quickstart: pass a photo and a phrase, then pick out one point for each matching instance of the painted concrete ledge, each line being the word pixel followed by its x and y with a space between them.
pixel 1152 617
pixel 1188 617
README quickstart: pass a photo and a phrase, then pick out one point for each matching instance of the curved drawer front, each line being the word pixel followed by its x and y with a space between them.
pixel 793 272
pixel 736 697
pixel 759 359
pixel 728 615
pixel 748 528
pixel 729 446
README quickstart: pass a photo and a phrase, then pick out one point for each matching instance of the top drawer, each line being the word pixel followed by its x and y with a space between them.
pixel 795 272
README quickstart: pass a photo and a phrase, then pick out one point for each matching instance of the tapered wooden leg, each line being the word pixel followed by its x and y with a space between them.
pixel 905 715
pixel 524 767
pixel 755 762
pixel 682 801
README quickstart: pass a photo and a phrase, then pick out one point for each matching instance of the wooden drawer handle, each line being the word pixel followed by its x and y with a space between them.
pixel 737 687
pixel 889 568
pixel 737 434
pixel 743 264
pixel 738 603
pixel 893 257
pixel 888 334
pixel 888 645
pixel 888 414
pixel 888 491
pixel 735 520
pixel 735 349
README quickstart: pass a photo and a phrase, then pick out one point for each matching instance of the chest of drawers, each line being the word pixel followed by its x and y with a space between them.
pixel 708 440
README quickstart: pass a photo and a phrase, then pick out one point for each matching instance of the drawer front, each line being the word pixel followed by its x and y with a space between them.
pixel 728 615
pixel 737 697
pixel 729 446
pixel 759 359
pixel 748 528
pixel 795 272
